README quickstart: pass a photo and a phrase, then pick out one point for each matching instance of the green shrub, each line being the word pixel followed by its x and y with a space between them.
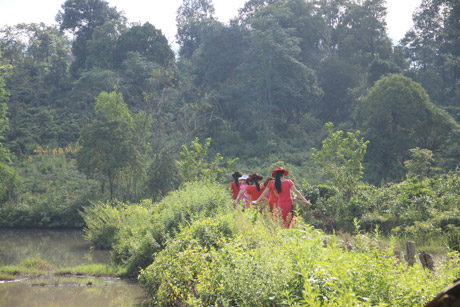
pixel 103 222
pixel 137 232
pixel 140 237
pixel 272 266
pixel 172 277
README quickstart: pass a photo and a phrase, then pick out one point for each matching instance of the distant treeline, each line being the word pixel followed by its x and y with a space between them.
pixel 261 86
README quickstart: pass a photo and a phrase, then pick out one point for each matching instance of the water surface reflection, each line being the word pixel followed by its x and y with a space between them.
pixel 57 247
pixel 61 248
pixel 71 293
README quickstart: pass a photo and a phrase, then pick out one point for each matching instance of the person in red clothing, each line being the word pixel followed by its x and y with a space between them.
pixel 283 187
pixel 254 189
pixel 235 185
pixel 273 195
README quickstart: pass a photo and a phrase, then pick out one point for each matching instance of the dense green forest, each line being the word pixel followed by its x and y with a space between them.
pixel 103 126
pixel 100 109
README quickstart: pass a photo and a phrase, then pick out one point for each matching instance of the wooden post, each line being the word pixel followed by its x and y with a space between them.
pixel 410 252
pixel 426 260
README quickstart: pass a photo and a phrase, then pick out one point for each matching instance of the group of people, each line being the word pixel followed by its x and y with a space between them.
pixel 276 191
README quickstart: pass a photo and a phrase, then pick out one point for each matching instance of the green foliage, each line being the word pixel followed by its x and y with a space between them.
pixel 137 232
pixel 82 18
pixel 192 19
pixel 111 146
pixel 193 165
pixel 379 68
pixel 49 192
pixel 163 175
pixel 270 266
pixel 395 116
pixel 174 280
pixel 111 107
pixel 102 224
pixel 145 39
pixel 421 163
pixel 341 159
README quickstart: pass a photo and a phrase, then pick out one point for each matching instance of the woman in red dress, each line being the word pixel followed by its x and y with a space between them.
pixel 255 189
pixel 235 185
pixel 283 188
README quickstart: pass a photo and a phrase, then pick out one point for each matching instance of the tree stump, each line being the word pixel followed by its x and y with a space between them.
pixel 427 261
pixel 410 252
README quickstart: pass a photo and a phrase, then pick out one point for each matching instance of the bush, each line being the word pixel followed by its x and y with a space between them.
pixel 137 232
pixel 52 193
pixel 270 266
pixel 103 221
pixel 172 277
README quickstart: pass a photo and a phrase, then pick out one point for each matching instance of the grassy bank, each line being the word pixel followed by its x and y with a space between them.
pixel 193 248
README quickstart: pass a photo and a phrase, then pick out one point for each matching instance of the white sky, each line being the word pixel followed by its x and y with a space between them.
pixel 162 13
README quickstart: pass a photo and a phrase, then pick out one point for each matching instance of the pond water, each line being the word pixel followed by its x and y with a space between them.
pixel 61 248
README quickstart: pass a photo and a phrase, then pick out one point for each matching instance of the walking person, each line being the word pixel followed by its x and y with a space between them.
pixel 242 193
pixel 235 184
pixel 255 188
pixel 283 188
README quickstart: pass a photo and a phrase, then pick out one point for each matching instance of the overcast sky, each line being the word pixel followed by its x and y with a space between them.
pixel 162 13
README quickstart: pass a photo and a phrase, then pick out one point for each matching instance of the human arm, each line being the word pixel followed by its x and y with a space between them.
pixel 297 192
pixel 239 195
pixel 264 193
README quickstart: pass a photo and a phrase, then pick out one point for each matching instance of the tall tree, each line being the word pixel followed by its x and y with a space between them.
pixel 147 41
pixel 219 55
pixel 192 19
pixel 102 45
pixel 362 32
pixel 106 145
pixel 82 17
pixel 279 83
pixel 433 46
pixel 395 116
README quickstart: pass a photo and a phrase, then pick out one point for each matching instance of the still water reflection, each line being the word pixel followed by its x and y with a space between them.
pixel 61 248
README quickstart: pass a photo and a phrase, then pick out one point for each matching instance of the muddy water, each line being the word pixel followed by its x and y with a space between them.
pixel 61 248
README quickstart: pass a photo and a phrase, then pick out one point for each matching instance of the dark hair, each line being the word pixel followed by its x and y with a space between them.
pixel 268 180
pixel 235 176
pixel 255 178
pixel 279 174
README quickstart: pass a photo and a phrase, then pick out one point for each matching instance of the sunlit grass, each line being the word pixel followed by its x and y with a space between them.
pixel 33 267
pixel 28 268
pixel 97 270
